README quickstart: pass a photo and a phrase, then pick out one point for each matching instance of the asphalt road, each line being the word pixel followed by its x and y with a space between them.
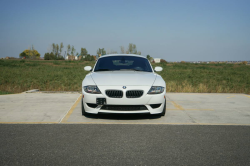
pixel 98 144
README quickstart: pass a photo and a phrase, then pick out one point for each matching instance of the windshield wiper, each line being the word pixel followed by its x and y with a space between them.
pixel 104 70
pixel 133 70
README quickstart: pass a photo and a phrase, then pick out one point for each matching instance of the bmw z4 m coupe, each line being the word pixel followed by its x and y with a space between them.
pixel 123 84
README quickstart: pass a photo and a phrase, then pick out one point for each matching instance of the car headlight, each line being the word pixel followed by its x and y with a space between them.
pixel 156 90
pixel 92 89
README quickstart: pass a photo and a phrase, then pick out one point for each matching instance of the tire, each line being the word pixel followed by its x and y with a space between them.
pixel 164 109
pixel 83 110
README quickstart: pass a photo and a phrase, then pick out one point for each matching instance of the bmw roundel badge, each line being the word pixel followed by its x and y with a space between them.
pixel 124 87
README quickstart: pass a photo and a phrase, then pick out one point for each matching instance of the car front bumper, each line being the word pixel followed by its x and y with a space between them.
pixel 145 100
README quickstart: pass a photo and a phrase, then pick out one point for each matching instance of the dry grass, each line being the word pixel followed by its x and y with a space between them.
pixel 206 78
pixel 173 86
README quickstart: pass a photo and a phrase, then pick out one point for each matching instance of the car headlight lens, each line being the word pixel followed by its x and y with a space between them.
pixel 92 89
pixel 156 90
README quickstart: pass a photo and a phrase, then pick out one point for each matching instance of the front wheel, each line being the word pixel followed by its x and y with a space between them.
pixel 164 109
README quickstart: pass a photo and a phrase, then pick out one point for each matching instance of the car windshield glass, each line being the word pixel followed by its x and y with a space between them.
pixel 123 63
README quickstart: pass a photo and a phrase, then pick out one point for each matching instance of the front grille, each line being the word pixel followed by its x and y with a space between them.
pixel 124 107
pixel 114 93
pixel 134 93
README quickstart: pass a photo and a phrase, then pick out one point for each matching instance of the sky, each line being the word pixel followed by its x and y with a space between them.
pixel 175 30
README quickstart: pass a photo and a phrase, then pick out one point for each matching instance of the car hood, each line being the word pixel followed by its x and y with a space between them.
pixel 123 78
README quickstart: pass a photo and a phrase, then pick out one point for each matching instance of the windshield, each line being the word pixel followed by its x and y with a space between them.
pixel 133 63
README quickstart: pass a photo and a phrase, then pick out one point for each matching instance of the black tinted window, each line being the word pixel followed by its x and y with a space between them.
pixel 123 63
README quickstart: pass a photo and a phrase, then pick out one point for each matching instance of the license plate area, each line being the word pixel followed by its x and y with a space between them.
pixel 101 101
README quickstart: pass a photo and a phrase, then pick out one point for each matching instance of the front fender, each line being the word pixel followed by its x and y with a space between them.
pixel 159 82
pixel 87 81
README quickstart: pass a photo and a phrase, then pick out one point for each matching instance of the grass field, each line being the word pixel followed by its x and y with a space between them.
pixel 22 75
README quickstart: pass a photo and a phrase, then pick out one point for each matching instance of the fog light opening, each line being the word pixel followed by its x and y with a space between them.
pixel 154 106
pixel 92 105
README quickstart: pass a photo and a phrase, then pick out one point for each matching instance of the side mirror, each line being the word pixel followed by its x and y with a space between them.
pixel 157 68
pixel 87 68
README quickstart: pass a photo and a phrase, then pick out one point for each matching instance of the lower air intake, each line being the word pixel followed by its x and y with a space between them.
pixel 124 107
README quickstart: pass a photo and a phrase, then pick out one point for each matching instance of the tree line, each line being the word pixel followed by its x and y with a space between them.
pixel 56 52
pixel 132 49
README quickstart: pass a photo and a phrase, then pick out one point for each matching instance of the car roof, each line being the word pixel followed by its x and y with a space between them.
pixel 122 55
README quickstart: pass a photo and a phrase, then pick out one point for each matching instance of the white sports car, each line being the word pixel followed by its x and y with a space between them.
pixel 123 84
